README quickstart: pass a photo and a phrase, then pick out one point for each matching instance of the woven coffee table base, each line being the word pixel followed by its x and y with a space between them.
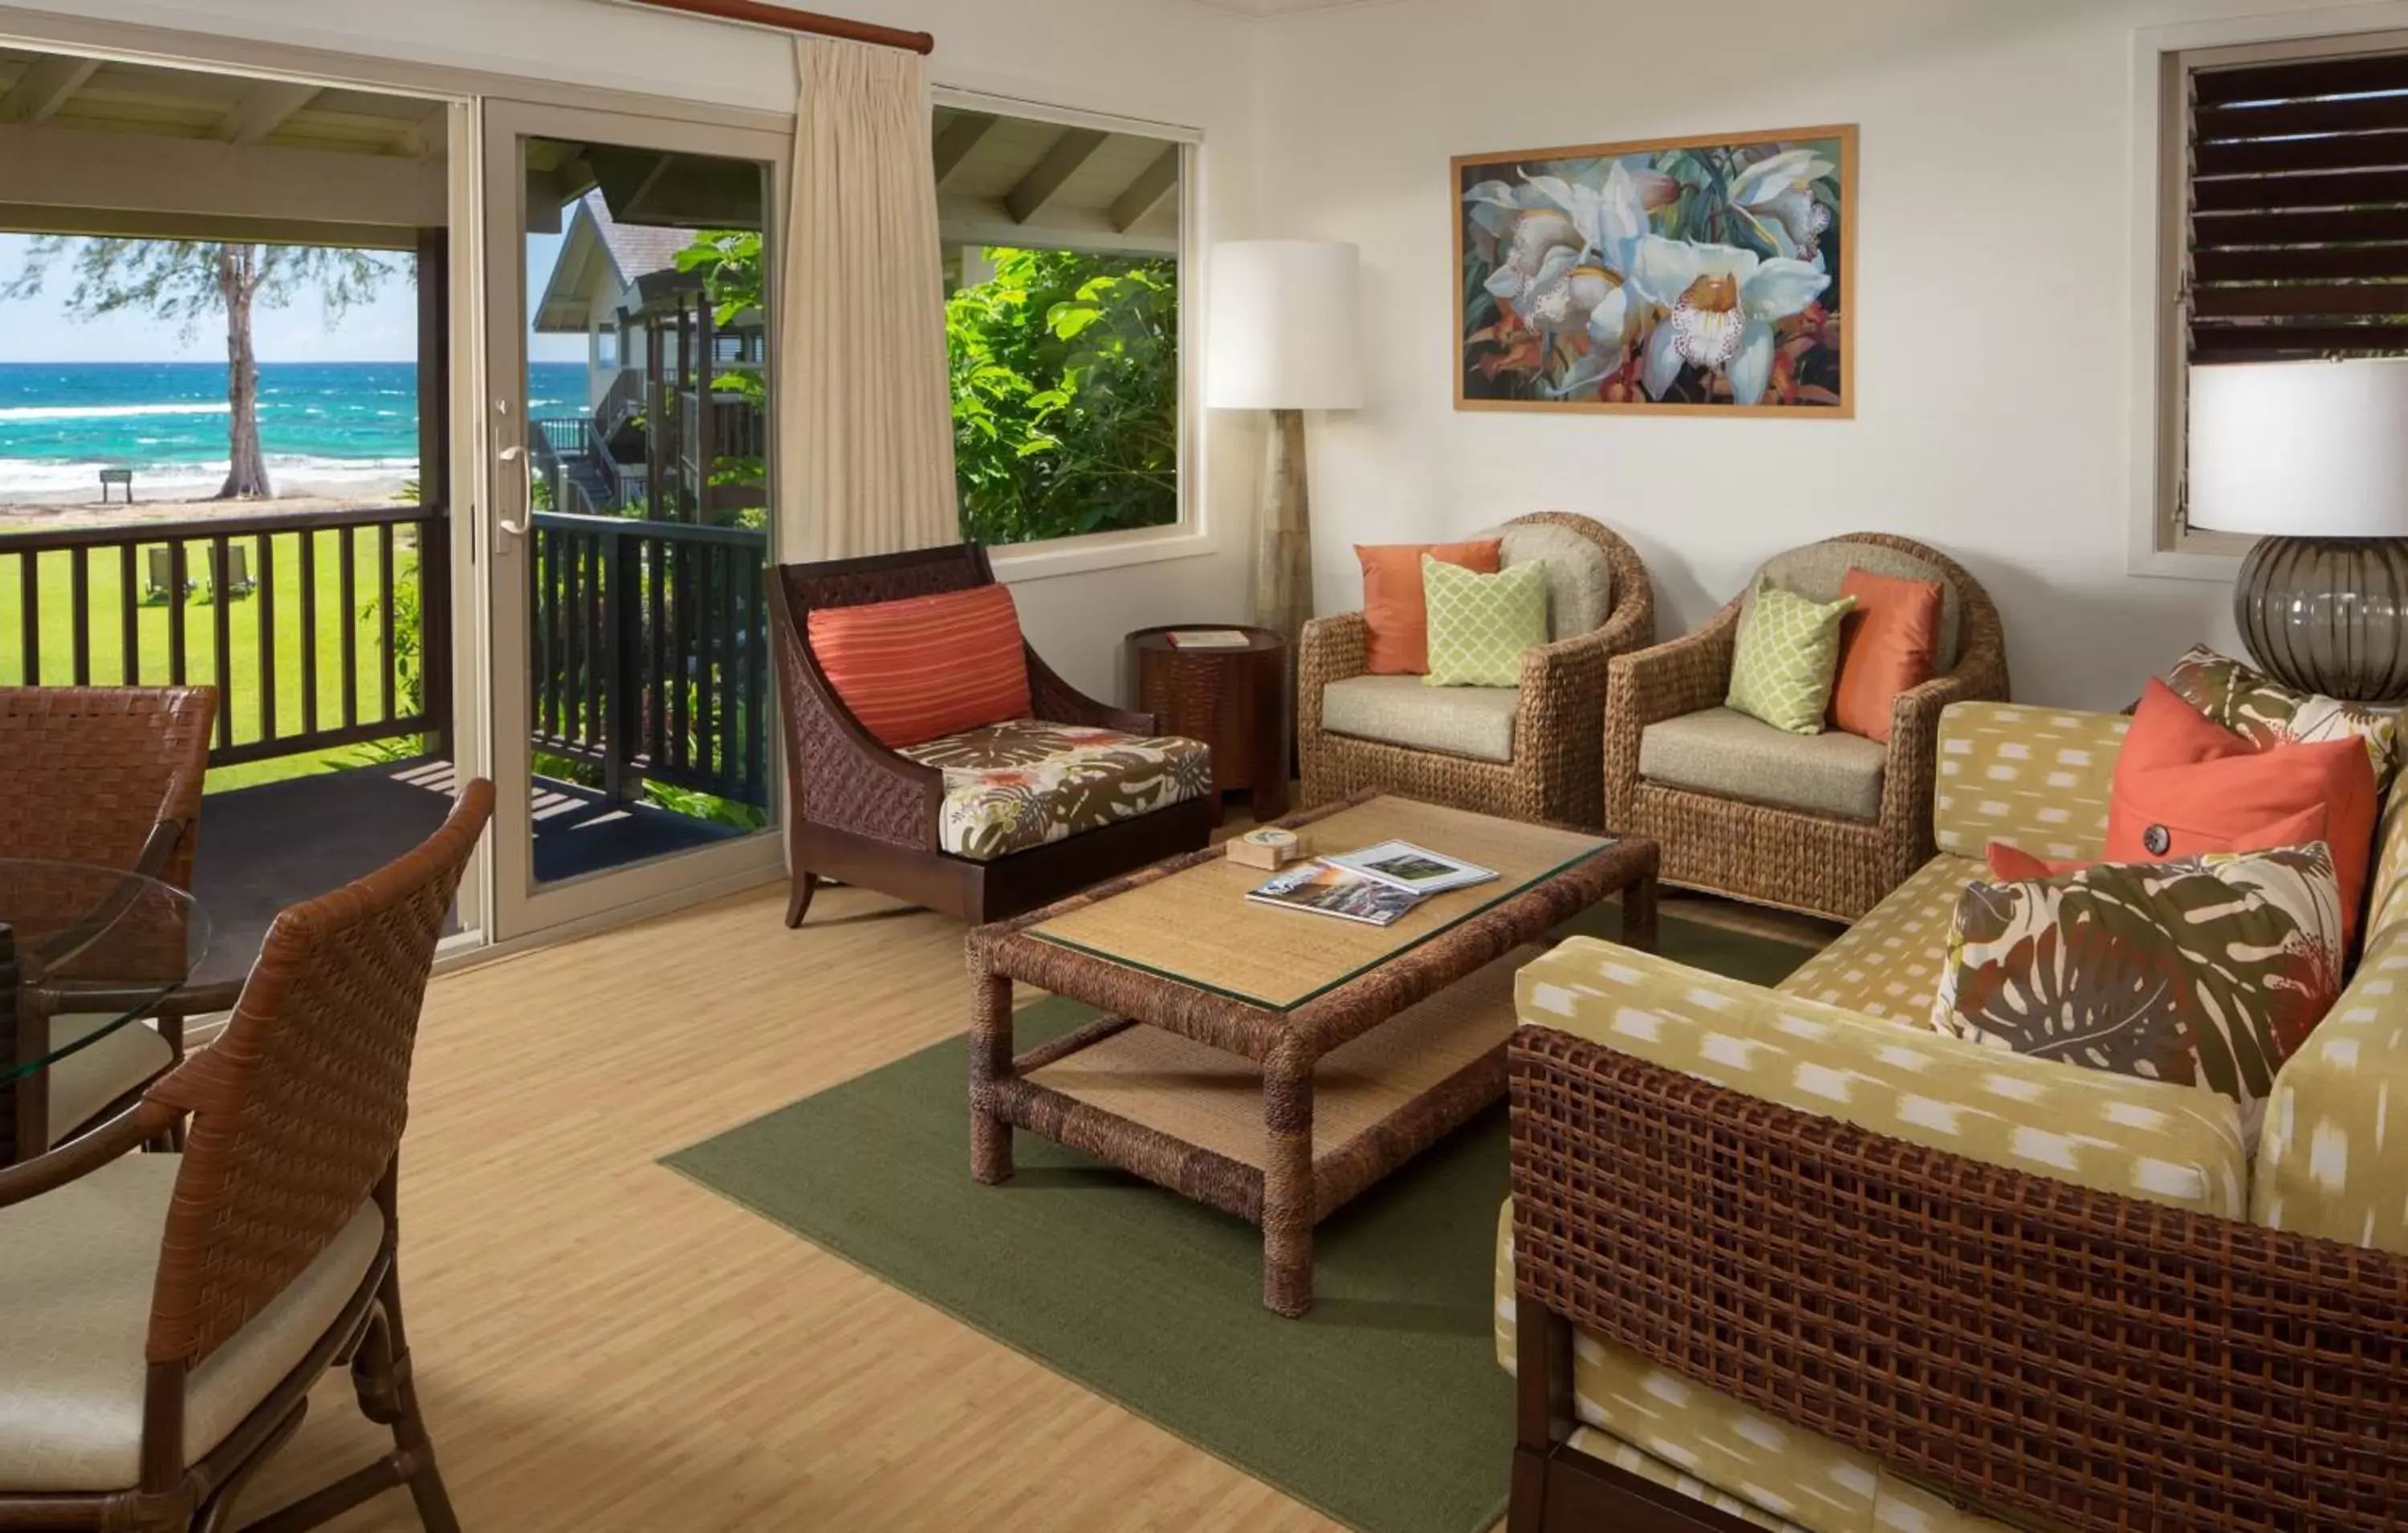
pixel 1285 1189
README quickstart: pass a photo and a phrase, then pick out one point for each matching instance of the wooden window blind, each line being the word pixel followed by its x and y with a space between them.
pixel 2298 209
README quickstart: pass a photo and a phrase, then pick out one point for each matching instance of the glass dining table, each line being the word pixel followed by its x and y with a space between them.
pixel 85 952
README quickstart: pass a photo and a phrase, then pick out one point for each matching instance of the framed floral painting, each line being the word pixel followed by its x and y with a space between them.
pixel 1705 275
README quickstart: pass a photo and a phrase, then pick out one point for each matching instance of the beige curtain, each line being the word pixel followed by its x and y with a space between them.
pixel 865 416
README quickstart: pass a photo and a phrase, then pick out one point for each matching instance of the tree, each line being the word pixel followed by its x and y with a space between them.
pixel 1066 395
pixel 186 282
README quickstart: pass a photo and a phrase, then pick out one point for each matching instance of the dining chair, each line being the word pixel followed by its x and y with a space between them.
pixel 109 776
pixel 166 1316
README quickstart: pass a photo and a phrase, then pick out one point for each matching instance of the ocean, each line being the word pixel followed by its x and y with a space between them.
pixel 60 422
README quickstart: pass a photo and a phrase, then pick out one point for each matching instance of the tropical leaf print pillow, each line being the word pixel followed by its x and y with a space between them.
pixel 2209 972
pixel 2265 712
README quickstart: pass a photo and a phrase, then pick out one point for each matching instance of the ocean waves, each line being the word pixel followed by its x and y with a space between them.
pixel 110 412
pixel 44 478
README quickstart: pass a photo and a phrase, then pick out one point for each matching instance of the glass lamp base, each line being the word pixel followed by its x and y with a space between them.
pixel 2328 614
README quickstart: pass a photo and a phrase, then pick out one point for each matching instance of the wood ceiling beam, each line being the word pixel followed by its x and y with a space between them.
pixel 1145 193
pixel 1073 149
pixel 963 134
pixel 51 166
pixel 45 87
pixel 264 109
pixel 428 138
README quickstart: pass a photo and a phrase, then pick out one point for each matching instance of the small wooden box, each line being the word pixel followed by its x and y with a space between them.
pixel 1269 849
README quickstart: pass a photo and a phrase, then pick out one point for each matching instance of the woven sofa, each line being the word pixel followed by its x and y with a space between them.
pixel 1786 1259
pixel 1528 752
pixel 1825 823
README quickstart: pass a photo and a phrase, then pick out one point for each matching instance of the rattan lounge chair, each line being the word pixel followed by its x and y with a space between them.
pixel 1527 752
pixel 1827 825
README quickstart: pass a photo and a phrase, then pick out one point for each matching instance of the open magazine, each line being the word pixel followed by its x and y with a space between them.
pixel 1415 869
pixel 1324 888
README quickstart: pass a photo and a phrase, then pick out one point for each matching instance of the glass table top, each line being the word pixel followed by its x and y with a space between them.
pixel 85 951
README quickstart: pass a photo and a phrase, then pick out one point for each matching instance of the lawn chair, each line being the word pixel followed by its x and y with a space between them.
pixel 162 564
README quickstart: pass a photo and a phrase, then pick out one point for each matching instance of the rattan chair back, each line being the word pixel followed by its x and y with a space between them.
pixel 884 577
pixel 297 1109
pixel 91 771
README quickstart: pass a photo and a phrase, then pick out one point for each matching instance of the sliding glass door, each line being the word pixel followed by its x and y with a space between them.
pixel 629 339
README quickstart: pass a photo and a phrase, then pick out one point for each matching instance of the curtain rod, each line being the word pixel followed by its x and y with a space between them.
pixel 785 19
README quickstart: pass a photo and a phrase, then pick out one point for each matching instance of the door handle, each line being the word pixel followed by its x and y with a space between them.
pixel 527 495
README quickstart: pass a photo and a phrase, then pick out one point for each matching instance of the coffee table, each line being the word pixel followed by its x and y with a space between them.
pixel 1271 1062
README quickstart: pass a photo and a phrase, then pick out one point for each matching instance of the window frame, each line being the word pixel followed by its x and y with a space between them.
pixel 1193 534
pixel 2164 58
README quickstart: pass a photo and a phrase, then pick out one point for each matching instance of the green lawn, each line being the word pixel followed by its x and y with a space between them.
pixel 240 688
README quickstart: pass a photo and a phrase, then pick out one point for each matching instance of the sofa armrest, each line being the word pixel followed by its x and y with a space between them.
pixel 1331 649
pixel 2035 777
pixel 2149 1140
pixel 1650 685
pixel 1911 772
pixel 1563 684
pixel 2331 1163
pixel 1056 701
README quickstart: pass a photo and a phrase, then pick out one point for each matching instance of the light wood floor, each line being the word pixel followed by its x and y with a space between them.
pixel 602 1344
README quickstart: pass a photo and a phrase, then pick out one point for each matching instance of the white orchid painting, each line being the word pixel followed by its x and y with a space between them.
pixel 1693 274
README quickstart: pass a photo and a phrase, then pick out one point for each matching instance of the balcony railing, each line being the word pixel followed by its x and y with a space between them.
pixel 319 629
pixel 651 653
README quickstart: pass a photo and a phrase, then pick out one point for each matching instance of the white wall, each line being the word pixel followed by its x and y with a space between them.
pixel 1993 299
pixel 1166 60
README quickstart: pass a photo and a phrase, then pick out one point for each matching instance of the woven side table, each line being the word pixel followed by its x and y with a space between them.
pixel 1233 700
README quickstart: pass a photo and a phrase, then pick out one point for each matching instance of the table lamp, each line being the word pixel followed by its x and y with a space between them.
pixel 2311 456
pixel 1283 336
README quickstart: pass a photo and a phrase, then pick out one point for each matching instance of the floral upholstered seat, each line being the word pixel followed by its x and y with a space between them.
pixel 1026 782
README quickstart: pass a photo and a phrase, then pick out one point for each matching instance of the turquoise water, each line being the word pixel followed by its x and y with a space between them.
pixel 60 422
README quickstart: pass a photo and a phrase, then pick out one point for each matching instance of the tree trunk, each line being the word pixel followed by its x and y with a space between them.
pixel 239 271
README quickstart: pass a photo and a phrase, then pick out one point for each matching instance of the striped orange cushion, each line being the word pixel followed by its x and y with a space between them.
pixel 914 670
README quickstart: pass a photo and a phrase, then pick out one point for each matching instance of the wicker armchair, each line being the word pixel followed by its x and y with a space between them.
pixel 168 1314
pixel 1553 774
pixel 1823 863
pixel 109 776
pixel 866 814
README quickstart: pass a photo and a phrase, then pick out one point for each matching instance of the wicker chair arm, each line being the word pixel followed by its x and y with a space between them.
pixel 86 1153
pixel 839 776
pixel 1910 774
pixel 1650 685
pixel 1331 649
pixel 1057 701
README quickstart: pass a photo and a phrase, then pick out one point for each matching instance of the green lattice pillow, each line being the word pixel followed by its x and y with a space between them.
pixel 1788 657
pixel 1479 625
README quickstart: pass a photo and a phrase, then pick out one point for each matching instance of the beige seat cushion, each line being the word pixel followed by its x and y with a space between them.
pixel 87 1081
pixel 1475 722
pixel 77 1267
pixel 1580 582
pixel 1888 965
pixel 1816 570
pixel 1724 753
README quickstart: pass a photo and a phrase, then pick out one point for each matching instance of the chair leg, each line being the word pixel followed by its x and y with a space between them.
pixel 386 1354
pixel 799 902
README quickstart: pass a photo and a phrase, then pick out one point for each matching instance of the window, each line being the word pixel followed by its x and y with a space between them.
pixel 2288 217
pixel 1063 324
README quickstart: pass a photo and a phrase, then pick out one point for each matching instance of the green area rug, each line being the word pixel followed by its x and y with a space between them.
pixel 1383 1408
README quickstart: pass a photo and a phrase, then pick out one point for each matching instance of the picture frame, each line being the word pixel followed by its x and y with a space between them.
pixel 1712 274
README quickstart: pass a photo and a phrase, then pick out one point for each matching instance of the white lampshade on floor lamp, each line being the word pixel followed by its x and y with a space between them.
pixel 1284 335
pixel 2311 456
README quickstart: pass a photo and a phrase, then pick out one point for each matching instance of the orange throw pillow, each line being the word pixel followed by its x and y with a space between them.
pixel 914 670
pixel 1888 645
pixel 1395 619
pixel 2011 864
pixel 2184 785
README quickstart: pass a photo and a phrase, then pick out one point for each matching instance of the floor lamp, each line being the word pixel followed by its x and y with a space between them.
pixel 1283 337
pixel 2313 456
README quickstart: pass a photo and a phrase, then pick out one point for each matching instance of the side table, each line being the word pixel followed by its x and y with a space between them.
pixel 1233 700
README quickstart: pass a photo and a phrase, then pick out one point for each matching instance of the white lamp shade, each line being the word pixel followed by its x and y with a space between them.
pixel 2301 449
pixel 1282 329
